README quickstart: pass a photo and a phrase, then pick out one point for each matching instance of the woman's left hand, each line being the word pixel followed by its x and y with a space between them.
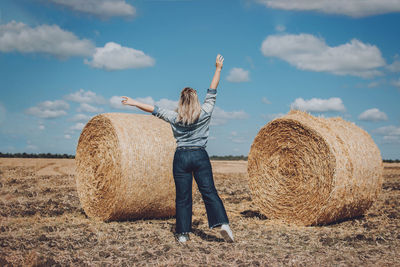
pixel 128 101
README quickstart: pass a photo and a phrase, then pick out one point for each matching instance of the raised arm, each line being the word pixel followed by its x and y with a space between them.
pixel 132 102
pixel 218 63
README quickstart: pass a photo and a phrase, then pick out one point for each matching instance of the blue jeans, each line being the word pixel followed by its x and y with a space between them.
pixel 195 161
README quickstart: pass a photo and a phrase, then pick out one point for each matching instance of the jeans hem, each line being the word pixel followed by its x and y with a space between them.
pixel 218 224
pixel 183 233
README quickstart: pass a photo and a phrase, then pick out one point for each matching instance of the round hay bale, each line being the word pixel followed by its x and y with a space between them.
pixel 124 167
pixel 308 171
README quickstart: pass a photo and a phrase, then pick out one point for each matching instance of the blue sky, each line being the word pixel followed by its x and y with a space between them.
pixel 62 62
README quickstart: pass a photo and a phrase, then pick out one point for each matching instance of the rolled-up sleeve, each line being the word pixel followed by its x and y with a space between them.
pixel 209 102
pixel 164 114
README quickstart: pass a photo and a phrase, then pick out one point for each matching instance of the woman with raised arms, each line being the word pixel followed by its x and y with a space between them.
pixel 190 126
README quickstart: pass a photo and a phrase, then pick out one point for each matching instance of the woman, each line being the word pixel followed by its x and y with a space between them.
pixel 190 126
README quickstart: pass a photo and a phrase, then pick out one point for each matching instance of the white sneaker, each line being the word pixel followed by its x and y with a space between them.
pixel 226 233
pixel 182 238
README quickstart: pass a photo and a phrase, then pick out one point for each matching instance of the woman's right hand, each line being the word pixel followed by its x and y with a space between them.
pixel 219 62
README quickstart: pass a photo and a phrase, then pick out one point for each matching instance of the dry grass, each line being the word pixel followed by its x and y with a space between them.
pixel 43 224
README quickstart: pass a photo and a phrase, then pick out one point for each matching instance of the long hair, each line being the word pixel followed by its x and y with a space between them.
pixel 189 108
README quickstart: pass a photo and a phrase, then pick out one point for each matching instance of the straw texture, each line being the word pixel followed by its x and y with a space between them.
pixel 308 171
pixel 124 167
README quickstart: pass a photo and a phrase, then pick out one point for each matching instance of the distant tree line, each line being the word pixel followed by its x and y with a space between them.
pixel 391 160
pixel 229 157
pixel 67 156
pixel 33 155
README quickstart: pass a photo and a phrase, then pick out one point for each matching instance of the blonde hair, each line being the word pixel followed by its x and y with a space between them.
pixel 189 108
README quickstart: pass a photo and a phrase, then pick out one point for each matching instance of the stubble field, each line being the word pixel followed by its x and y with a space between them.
pixel 43 224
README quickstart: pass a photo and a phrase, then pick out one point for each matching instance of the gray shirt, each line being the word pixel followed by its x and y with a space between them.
pixel 195 134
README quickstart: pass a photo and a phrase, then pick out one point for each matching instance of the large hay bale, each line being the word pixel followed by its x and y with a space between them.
pixel 308 171
pixel 124 167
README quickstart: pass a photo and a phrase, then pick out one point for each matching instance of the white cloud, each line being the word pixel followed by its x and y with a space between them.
pixel 168 104
pixel 115 102
pixel 373 84
pixel 102 8
pixel 41 127
pixel 265 100
pixel 353 8
pixel 237 75
pixel 116 57
pixel 77 127
pixel 83 96
pixel 391 134
pixel 280 28
pixel 307 52
pixel 391 139
pixel 318 104
pixel 31 147
pixel 220 116
pixel 80 117
pixel 49 39
pixel 235 138
pixel 373 114
pixel 238 140
pixel 396 83
pixel 49 109
pixel 67 136
pixel 272 116
pixel 390 130
pixel 394 67
pixel 85 107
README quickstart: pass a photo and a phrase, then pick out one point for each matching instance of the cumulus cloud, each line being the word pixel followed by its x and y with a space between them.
pixel 390 139
pixel 272 116
pixel 85 107
pixel 237 75
pixel 115 102
pixel 167 103
pixel 396 83
pixel 80 117
pixel 77 126
pixel 265 100
pixel 83 96
pixel 390 130
pixel 318 104
pixel 113 56
pixel 49 109
pixel 31 147
pixel 353 8
pixel 235 138
pixel 220 116
pixel 48 39
pixel 391 133
pixel 307 52
pixel 101 8
pixel 394 67
pixel 373 114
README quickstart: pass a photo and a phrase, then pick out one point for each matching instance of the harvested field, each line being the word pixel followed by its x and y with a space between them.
pixel 42 223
